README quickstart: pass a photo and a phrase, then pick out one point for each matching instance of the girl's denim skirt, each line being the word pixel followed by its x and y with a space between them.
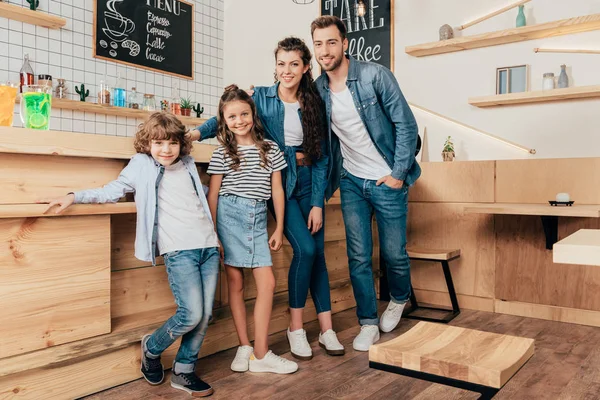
pixel 242 230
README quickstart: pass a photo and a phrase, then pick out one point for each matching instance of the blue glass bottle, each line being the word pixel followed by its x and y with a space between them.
pixel 119 93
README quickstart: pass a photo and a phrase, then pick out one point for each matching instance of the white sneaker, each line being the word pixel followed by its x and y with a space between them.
pixel 368 335
pixel 391 316
pixel 272 363
pixel 242 358
pixel 330 343
pixel 299 346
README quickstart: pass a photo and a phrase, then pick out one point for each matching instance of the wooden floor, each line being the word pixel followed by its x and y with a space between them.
pixel 566 365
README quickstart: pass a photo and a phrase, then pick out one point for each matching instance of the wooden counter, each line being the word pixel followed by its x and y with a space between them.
pixel 582 247
pixel 74 298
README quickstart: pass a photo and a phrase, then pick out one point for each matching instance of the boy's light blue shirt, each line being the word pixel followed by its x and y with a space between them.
pixel 142 177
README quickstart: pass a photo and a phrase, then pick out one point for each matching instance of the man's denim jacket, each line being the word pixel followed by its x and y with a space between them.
pixel 142 177
pixel 386 115
pixel 271 113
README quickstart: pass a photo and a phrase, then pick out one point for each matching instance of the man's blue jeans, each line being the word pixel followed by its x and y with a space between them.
pixel 193 281
pixel 361 198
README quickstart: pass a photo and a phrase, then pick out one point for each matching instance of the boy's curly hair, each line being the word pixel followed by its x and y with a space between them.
pixel 161 126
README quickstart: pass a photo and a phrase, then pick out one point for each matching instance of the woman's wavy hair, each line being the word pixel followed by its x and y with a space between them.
pixel 161 126
pixel 311 104
pixel 227 138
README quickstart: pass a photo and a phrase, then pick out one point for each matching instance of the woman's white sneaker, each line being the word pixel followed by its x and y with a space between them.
pixel 299 346
pixel 330 343
pixel 272 363
pixel 369 334
pixel 242 359
pixel 391 316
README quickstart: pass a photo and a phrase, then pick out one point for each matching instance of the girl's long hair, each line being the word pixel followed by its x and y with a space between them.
pixel 311 104
pixel 228 139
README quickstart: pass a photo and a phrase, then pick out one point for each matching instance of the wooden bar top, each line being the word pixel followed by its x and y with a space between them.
pixel 582 247
pixel 73 144
pixel 584 210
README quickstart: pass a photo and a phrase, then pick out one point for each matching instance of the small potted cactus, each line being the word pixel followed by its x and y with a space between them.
pixel 33 4
pixel 199 110
pixel 186 107
pixel 448 150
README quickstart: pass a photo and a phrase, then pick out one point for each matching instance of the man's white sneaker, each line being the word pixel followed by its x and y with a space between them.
pixel 242 358
pixel 330 343
pixel 272 363
pixel 368 335
pixel 391 316
pixel 299 346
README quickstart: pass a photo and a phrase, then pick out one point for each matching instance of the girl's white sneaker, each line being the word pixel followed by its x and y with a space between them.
pixel 272 363
pixel 330 343
pixel 242 358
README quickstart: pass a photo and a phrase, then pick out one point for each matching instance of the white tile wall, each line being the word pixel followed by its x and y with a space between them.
pixel 67 53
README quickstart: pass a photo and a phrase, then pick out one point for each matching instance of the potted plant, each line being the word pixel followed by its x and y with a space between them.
pixel 448 151
pixel 186 107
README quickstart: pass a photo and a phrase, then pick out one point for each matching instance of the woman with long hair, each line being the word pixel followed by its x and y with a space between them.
pixel 292 114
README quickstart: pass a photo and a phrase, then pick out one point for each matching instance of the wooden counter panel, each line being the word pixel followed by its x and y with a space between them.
pixel 526 273
pixel 443 225
pixel 466 182
pixel 123 243
pixel 537 181
pixel 27 178
pixel 54 280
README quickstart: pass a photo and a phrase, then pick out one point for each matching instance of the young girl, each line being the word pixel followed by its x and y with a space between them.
pixel 173 217
pixel 245 171
pixel 291 113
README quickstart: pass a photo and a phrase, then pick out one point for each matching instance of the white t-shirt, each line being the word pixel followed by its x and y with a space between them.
pixel 292 126
pixel 182 222
pixel 360 157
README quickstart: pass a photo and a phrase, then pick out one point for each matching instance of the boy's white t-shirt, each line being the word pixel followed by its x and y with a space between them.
pixel 182 221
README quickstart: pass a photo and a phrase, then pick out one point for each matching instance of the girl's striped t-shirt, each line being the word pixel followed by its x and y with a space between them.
pixel 251 180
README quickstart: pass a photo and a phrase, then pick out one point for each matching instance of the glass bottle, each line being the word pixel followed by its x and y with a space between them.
pixel 563 79
pixel 27 76
pixel 134 99
pixel 61 89
pixel 119 93
pixel 175 101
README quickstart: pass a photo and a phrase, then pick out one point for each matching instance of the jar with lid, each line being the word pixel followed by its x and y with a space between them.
pixel 149 102
pixel 548 82
pixel 135 101
pixel 61 89
pixel 45 80
pixel 104 94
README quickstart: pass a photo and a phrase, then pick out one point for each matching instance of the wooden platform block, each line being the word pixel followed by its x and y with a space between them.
pixel 582 247
pixel 467 355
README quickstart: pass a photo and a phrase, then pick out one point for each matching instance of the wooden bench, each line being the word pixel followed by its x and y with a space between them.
pixel 443 257
pixel 464 358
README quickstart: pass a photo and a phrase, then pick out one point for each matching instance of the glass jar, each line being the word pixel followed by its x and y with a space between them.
pixel 45 80
pixel 61 89
pixel 134 99
pixel 104 94
pixel 149 102
pixel 548 81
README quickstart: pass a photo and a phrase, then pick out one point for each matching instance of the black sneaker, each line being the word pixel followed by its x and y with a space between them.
pixel 151 368
pixel 191 384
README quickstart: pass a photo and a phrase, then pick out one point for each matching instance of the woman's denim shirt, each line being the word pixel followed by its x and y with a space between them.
pixel 271 112
pixel 142 177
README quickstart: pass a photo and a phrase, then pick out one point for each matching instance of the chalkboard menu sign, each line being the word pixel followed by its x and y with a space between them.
pixel 370 25
pixel 151 34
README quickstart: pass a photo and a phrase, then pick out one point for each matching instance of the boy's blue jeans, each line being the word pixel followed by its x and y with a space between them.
pixel 193 281
pixel 360 199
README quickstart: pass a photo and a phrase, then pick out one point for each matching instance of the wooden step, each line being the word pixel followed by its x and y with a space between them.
pixel 468 355
pixel 433 254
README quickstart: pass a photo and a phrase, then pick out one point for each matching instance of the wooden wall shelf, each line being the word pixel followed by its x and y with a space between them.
pixel 24 14
pixel 77 105
pixel 556 28
pixel 538 96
